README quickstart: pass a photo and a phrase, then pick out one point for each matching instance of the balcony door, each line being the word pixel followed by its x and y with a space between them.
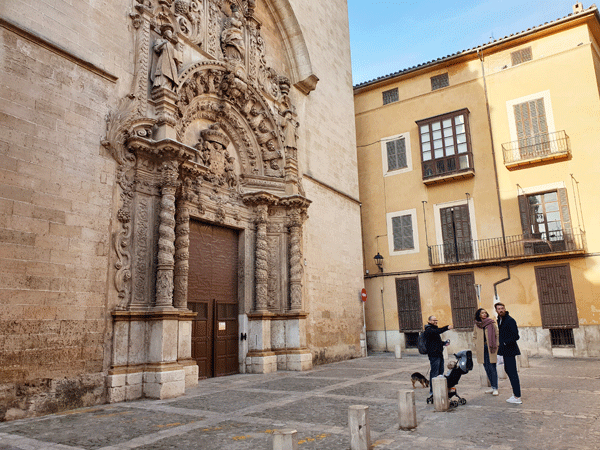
pixel 456 233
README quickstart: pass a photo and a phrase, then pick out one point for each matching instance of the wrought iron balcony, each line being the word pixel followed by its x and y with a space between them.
pixel 533 246
pixel 540 147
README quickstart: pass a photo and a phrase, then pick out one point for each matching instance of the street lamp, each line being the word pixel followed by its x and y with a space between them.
pixel 379 261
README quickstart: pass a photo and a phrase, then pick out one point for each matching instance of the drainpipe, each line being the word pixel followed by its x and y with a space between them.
pixel 501 281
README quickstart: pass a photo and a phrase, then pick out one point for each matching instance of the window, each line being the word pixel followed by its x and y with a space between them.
pixel 546 221
pixel 463 299
pixel 562 337
pixel 445 144
pixel 409 305
pixel 439 81
pixel 396 157
pixel 532 128
pixel 396 154
pixel 456 233
pixel 557 298
pixel 410 339
pixel 521 56
pixel 390 96
pixel 402 233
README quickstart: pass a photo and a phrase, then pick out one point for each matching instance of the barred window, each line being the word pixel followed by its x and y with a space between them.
pixel 402 228
pixel 440 81
pixel 521 56
pixel 390 96
pixel 396 154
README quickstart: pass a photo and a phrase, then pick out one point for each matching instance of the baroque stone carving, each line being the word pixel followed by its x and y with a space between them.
pixel 232 37
pixel 169 57
pixel 182 245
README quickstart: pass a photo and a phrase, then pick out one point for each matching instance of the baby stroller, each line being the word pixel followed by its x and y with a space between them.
pixel 463 365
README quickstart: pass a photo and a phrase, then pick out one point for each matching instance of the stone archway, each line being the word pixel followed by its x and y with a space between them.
pixel 209 133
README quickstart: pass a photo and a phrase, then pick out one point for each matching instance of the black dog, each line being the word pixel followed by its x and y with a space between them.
pixel 417 377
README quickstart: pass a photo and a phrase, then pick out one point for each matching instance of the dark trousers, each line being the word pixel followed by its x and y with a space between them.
pixel 490 368
pixel 510 366
pixel 437 368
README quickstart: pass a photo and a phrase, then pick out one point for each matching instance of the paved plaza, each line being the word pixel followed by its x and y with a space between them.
pixel 560 410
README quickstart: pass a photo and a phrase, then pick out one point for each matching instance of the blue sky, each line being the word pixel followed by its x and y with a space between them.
pixel 387 36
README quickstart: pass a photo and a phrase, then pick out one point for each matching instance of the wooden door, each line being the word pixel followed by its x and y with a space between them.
pixel 212 293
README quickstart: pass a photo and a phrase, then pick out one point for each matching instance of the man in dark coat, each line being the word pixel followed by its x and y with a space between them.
pixel 508 349
pixel 435 348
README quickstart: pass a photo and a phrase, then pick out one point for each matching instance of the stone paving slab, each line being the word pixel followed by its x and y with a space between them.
pixel 561 411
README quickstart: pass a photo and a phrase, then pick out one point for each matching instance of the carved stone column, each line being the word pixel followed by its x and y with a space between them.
pixel 296 268
pixel 166 238
pixel 182 256
pixel 262 264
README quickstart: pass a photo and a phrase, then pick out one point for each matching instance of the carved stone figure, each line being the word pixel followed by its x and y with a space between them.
pixel 212 146
pixel 290 125
pixel 168 60
pixel 232 37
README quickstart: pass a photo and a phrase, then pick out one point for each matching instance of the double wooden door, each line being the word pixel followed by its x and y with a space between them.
pixel 212 294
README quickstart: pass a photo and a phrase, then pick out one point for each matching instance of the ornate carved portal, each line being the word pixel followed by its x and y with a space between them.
pixel 208 132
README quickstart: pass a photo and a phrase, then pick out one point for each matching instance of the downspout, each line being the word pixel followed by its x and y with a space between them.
pixel 489 117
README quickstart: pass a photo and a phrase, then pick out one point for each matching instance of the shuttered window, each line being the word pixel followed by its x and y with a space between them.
pixel 396 154
pixel 445 144
pixel 402 229
pixel 439 81
pixel 409 304
pixel 390 96
pixel 556 295
pixel 546 221
pixel 521 56
pixel 532 128
pixel 463 299
pixel 456 233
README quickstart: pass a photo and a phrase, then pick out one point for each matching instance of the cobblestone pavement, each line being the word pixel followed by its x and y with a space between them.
pixel 560 410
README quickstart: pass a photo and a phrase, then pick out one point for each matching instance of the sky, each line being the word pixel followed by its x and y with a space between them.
pixel 388 36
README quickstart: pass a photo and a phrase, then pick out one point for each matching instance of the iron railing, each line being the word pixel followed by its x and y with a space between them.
pixel 511 247
pixel 536 147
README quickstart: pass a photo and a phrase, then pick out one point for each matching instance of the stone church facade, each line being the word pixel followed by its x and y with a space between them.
pixel 172 172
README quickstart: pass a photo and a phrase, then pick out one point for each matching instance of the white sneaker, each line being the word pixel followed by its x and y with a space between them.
pixel 488 391
pixel 495 392
pixel 515 400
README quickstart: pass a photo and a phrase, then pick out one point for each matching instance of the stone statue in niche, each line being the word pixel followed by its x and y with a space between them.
pixel 168 58
pixel 290 125
pixel 232 37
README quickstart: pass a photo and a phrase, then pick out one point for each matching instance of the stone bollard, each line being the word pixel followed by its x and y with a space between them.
pixel 407 412
pixel 523 359
pixel 440 393
pixel 398 351
pixel 285 439
pixel 360 431
pixel 501 372
pixel 485 381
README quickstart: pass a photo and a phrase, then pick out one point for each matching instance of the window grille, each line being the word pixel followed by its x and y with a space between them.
pixel 521 56
pixel 390 96
pixel 440 81
pixel 410 340
pixel 562 337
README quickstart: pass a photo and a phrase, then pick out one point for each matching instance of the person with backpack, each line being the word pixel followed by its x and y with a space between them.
pixel 435 348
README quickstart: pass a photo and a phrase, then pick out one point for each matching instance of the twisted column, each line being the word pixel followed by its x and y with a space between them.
pixel 296 268
pixel 262 266
pixel 166 236
pixel 182 256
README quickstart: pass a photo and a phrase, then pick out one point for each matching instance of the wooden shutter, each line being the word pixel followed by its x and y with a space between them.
pixel 409 304
pixel 396 154
pixel 556 296
pixel 402 230
pixel 460 225
pixel 565 216
pixel 463 299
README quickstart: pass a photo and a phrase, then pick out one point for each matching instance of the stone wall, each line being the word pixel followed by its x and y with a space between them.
pixel 56 190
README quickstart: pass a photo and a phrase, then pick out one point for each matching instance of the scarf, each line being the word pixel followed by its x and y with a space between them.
pixel 491 333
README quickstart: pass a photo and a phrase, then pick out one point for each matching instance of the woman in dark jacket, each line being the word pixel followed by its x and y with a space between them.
pixel 508 349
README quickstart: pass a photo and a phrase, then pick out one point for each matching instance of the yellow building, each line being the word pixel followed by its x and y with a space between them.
pixel 479 178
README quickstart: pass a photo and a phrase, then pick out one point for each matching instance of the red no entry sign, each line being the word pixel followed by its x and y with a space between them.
pixel 363 295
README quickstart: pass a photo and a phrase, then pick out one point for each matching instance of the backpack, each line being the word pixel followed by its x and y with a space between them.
pixel 422 343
